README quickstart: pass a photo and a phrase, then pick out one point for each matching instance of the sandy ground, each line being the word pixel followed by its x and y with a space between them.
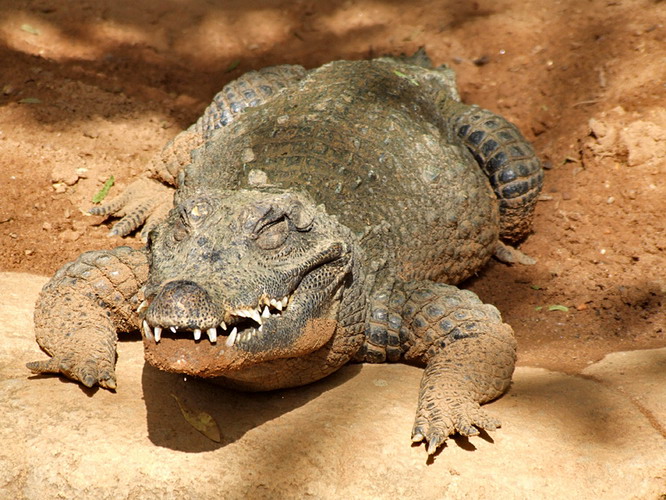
pixel 94 88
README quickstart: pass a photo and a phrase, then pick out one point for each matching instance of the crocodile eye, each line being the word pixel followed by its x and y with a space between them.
pixel 273 235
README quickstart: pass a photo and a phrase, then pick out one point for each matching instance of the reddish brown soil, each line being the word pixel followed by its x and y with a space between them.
pixel 94 88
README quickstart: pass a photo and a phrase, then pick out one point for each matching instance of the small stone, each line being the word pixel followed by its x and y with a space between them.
pixel 47 226
pixel 28 252
pixel 482 61
pixel 69 235
pixel 91 134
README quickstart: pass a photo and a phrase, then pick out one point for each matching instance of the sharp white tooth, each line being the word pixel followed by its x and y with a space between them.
pixel 146 330
pixel 266 313
pixel 278 305
pixel 223 325
pixel 142 307
pixel 255 315
pixel 260 328
pixel 232 337
pixel 158 333
pixel 197 334
pixel 212 334
pixel 173 329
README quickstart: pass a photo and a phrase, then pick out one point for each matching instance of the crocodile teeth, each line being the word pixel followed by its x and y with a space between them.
pixel 173 329
pixel 158 333
pixel 212 334
pixel 278 304
pixel 142 307
pixel 223 325
pixel 197 334
pixel 146 330
pixel 250 313
pixel 266 313
pixel 232 337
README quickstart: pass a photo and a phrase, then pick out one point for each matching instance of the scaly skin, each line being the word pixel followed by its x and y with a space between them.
pixel 468 351
pixel 307 232
pixel 80 309
pixel 507 159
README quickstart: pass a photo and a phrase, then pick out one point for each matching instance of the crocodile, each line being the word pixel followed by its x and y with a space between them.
pixel 307 220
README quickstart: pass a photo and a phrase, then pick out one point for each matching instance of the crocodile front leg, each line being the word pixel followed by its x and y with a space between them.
pixel 468 351
pixel 81 308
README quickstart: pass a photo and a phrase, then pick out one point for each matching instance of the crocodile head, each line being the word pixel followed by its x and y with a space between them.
pixel 243 277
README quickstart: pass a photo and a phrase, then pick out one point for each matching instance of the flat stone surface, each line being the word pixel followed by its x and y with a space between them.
pixel 600 435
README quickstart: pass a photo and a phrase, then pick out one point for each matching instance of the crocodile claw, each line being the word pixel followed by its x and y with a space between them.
pixel 435 424
pixel 88 373
pixel 143 204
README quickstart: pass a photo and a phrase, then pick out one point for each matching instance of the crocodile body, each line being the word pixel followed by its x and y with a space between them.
pixel 320 217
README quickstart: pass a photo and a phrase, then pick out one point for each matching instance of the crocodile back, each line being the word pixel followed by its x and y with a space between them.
pixel 366 140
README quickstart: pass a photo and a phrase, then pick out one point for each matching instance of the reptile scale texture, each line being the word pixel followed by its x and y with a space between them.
pixel 318 218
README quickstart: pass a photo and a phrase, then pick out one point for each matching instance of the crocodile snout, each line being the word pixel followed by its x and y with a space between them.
pixel 183 304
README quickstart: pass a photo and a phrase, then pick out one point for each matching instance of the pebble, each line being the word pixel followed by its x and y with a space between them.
pixel 482 61
pixel 69 235
pixel 91 134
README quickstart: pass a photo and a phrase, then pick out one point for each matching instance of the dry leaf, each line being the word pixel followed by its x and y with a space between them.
pixel 200 420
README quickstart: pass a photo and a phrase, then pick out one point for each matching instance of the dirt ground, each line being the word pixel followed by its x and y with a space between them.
pixel 94 88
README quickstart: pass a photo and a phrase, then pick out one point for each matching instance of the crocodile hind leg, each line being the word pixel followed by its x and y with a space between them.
pixel 80 310
pixel 468 351
pixel 506 157
pixel 146 201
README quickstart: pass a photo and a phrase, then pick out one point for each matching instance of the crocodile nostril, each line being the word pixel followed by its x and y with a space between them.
pixel 182 304
pixel 181 288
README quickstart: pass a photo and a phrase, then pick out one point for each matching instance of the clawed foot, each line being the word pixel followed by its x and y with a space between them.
pixel 90 372
pixel 436 422
pixel 144 203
